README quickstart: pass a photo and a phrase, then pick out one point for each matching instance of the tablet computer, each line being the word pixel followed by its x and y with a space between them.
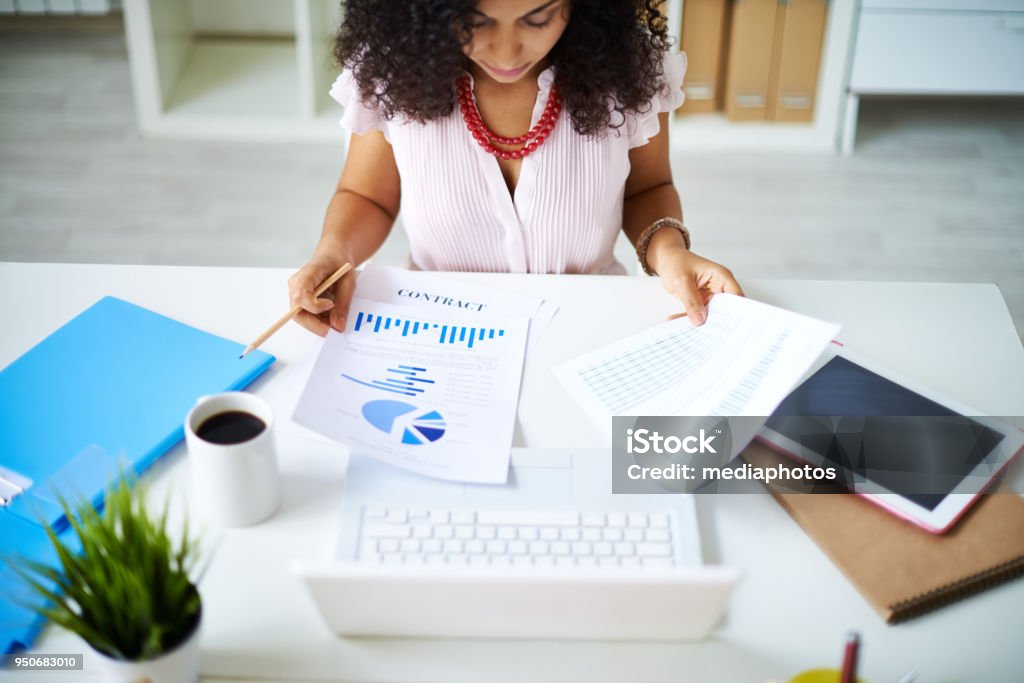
pixel 922 456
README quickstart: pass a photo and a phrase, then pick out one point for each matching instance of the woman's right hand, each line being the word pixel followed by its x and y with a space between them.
pixel 329 310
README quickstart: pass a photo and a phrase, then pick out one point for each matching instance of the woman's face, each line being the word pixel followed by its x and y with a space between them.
pixel 510 37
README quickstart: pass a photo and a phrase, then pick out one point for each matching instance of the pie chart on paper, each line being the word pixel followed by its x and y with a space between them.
pixel 411 424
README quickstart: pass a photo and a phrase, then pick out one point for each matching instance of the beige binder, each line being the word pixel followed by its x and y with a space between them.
pixel 748 72
pixel 799 35
pixel 704 42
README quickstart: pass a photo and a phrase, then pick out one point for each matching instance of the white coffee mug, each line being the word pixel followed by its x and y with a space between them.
pixel 237 484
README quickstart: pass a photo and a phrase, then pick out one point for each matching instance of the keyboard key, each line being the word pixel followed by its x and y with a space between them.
pixel 435 560
pixel 586 561
pixel 634 535
pixel 453 547
pixel 616 519
pixel 549 534
pixel 444 531
pixel 629 562
pixel 486 532
pixel 543 561
pixel 418 513
pixel 528 533
pixel 464 532
pixel 653 549
pixel 603 549
pixel 565 561
pixel 391 559
pixel 387 531
pixel 659 520
pixel 522 561
pixel 593 520
pixel 388 545
pixel 439 516
pixel 518 547
pixel 571 534
pixel 528 518
pixel 637 519
pixel 506 533
pixel 497 547
pixel 612 535
pixel 458 560
pixel 463 517
pixel 422 531
pixel 657 535
pixel 376 512
pixel 479 560
pixel 624 549
pixel 432 545
pixel 501 561
pixel 608 562
pixel 414 559
pixel 560 548
pixel 591 534
pixel 410 545
pixel 539 548
pixel 582 548
pixel 474 547
pixel 397 516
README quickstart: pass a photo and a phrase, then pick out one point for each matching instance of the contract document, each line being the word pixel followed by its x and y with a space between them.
pixel 430 291
pixel 417 288
pixel 427 390
pixel 743 361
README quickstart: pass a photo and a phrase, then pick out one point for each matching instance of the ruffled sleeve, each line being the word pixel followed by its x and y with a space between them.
pixel 358 117
pixel 643 127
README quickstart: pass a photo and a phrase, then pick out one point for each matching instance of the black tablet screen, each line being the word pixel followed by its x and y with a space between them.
pixel 883 432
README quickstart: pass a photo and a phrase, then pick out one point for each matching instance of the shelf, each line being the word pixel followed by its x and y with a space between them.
pixel 237 78
pixel 714 132
pixel 190 84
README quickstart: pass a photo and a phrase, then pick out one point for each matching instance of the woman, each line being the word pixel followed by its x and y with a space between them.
pixel 519 135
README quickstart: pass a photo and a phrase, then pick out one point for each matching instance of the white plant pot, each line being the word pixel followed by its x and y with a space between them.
pixel 180 665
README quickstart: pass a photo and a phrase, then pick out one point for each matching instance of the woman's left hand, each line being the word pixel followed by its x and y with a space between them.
pixel 693 280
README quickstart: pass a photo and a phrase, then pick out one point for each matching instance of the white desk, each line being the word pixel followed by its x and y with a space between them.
pixel 793 605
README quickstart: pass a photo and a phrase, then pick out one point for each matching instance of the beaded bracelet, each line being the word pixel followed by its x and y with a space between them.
pixel 648 233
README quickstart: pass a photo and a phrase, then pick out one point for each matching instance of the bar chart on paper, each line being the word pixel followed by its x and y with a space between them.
pixel 431 391
pixel 440 333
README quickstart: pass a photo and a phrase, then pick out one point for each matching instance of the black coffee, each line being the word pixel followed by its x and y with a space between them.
pixel 233 426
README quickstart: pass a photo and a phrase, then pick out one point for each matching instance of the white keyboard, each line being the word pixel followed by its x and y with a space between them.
pixel 518 538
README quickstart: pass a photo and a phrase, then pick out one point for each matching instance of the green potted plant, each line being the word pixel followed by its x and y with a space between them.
pixel 127 593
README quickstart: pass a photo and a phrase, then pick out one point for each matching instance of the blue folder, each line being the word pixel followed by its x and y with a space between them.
pixel 106 392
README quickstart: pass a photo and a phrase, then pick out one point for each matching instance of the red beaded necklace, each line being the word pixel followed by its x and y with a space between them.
pixel 486 138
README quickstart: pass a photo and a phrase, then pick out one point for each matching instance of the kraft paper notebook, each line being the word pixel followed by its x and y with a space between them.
pixel 904 571
pixel 106 392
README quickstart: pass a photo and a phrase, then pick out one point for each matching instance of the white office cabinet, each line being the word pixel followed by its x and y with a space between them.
pixel 939 53
pixel 251 70
pixel 935 47
pixel 261 70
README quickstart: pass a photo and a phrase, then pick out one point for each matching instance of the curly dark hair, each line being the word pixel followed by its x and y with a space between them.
pixel 406 56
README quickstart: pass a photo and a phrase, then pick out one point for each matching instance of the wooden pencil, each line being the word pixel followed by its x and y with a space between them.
pixel 295 311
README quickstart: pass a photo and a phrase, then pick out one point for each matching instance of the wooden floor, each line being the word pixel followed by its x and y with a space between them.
pixel 935 191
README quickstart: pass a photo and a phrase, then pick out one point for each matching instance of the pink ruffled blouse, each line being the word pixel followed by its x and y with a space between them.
pixel 567 209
